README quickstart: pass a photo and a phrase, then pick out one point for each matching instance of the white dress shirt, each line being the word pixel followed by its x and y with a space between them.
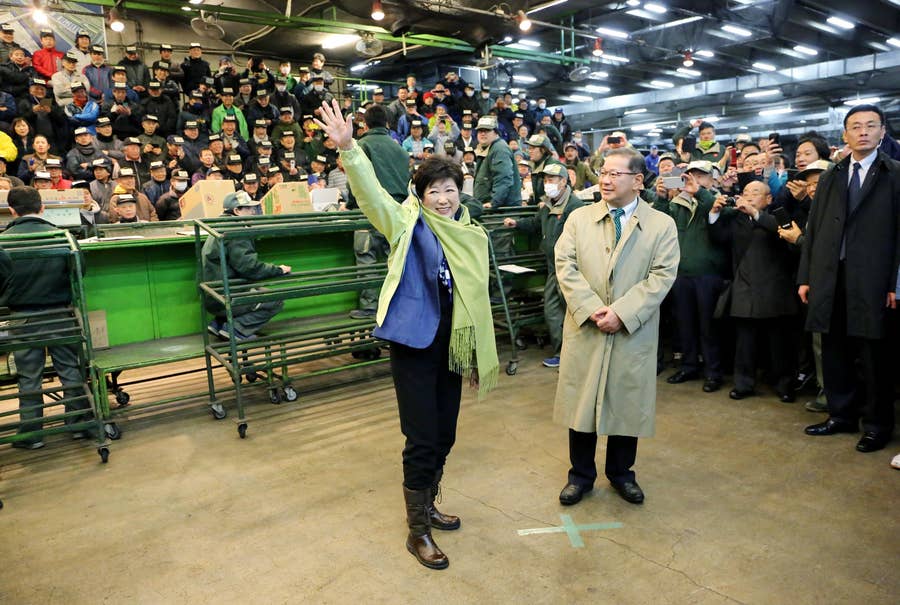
pixel 864 165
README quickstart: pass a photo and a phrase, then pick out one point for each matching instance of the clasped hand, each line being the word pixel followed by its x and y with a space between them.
pixel 606 320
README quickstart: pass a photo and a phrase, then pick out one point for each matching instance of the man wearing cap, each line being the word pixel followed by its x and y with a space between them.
pixel 584 176
pixel 231 140
pixel 136 72
pixel 82 154
pixel 157 104
pixel 259 75
pixel 127 209
pixel 165 54
pixel 132 159
pixel 176 157
pixel 262 109
pixel 540 152
pixel 549 223
pixel 414 144
pixel 404 123
pixel 281 98
pixel 250 185
pixel 311 103
pixel 195 111
pixel 234 169
pixel 162 72
pixel 195 68
pixel 707 148
pixel 193 142
pixel 54 166
pixel 125 114
pixel 317 69
pixel 42 180
pixel 63 79
pixel 286 122
pixel 7 41
pixel 46 61
pixel 260 134
pixel 44 116
pixel 651 161
pixel 16 73
pixel 98 74
pixel 120 75
pixel 157 184
pixel 227 76
pixel 82 50
pixel 167 206
pixel 153 145
pixel 102 185
pixel 228 108
pixel 619 141
pixel 497 183
pixel 242 262
pixel 109 144
pixel 126 183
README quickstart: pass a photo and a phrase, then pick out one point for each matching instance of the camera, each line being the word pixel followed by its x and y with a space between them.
pixel 613 140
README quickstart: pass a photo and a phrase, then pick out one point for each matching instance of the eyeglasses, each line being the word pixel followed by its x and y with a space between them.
pixel 613 174
pixel 858 127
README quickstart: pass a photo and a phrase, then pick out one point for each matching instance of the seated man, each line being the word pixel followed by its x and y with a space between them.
pixel 40 285
pixel 242 263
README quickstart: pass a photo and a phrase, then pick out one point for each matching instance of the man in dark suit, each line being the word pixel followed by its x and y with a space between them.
pixel 848 277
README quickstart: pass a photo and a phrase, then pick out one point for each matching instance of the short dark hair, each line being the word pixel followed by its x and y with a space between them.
pixel 635 158
pixel 751 144
pixel 376 116
pixel 705 126
pixel 436 168
pixel 817 141
pixel 864 107
pixel 24 200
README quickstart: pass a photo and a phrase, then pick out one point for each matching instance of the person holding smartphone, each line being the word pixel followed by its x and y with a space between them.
pixel 702 147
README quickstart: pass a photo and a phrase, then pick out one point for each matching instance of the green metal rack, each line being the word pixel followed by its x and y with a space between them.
pixel 284 344
pixel 69 325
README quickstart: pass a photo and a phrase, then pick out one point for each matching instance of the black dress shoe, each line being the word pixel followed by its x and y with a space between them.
pixel 831 427
pixel 786 398
pixel 872 442
pixel 572 494
pixel 682 376
pixel 741 393
pixel 630 491
pixel 712 385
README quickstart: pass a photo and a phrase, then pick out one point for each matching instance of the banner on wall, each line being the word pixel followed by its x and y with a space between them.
pixel 66 19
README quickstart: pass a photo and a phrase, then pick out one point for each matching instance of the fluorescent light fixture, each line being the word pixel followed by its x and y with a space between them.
pixel 526 79
pixel 336 40
pixel 742 128
pixel 361 66
pixel 863 101
pixel 599 75
pixel 364 86
pixel 643 127
pixel 879 46
pixel 195 1
pixel 654 7
pixel 186 8
pixel 531 43
pixel 737 31
pixel 612 33
pixel 514 91
pixel 776 111
pixel 822 26
pixel 689 72
pixel 764 66
pixel 894 42
pixel 838 22
pixel 704 53
pixel 616 58
pixel 678 22
pixel 762 93
pixel 631 112
pixel 633 2
pixel 806 50
pixel 711 119
pixel 579 98
pixel 545 5
pixel 661 84
pixel 597 89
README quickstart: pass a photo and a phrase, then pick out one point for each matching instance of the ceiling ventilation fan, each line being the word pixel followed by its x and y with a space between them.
pixel 207 25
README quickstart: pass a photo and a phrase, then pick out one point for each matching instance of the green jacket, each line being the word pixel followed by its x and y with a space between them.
pixel 35 283
pixel 553 134
pixel 713 154
pixel 549 222
pixel 218 116
pixel 699 255
pixel 293 127
pixel 242 262
pixel 537 177
pixel 497 178
pixel 390 162
pixel 584 176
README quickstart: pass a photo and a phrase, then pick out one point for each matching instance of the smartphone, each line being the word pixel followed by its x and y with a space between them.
pixel 688 144
pixel 46 102
pixel 734 156
pixel 792 174
pixel 782 218
pixel 613 140
pixel 312 179
pixel 775 138
pixel 597 196
pixel 745 178
pixel 672 182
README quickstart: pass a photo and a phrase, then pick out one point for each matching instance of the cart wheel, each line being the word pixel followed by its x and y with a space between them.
pixel 251 377
pixel 357 354
pixel 521 344
pixel 274 396
pixel 218 411
pixel 112 431
pixel 375 353
pixel 122 398
pixel 104 454
pixel 242 430
pixel 511 368
pixel 290 394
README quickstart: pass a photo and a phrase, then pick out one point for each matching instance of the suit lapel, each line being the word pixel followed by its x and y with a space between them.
pixel 627 231
pixel 840 189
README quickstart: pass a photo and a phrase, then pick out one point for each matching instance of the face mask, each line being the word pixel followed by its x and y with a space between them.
pixel 280 87
pixel 705 145
pixel 469 93
pixel 285 70
pixel 485 95
pixel 576 138
pixel 542 105
pixel 551 189
pixel 318 88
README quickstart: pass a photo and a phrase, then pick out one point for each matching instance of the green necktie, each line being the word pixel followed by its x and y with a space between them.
pixel 617 213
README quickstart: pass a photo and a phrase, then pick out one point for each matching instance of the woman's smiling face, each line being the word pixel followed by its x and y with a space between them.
pixel 442 196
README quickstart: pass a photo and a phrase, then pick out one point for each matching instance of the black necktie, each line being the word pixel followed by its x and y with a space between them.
pixel 854 190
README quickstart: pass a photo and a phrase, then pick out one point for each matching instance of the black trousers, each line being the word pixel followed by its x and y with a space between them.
pixel 695 300
pixel 777 332
pixel 868 391
pixel 428 395
pixel 621 452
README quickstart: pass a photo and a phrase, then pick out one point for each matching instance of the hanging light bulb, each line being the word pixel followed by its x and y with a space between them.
pixel 688 59
pixel 39 15
pixel 598 48
pixel 523 20
pixel 115 23
pixel 377 11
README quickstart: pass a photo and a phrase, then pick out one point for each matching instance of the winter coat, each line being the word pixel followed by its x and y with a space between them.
pixel 497 177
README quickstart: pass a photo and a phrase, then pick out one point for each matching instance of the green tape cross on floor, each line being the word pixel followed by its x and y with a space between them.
pixel 569 528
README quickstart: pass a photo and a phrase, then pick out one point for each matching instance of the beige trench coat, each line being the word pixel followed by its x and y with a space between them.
pixel 607 382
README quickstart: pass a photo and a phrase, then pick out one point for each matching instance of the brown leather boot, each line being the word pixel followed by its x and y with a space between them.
pixel 419 541
pixel 438 519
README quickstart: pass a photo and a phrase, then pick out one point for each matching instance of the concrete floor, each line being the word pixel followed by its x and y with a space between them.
pixel 741 508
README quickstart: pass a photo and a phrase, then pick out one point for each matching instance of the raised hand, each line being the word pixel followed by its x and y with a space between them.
pixel 333 123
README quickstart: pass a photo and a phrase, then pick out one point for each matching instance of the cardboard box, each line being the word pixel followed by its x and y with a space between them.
pixel 204 200
pixel 287 198
pixel 61 207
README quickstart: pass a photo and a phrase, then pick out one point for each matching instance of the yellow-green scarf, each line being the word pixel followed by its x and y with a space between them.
pixel 472 341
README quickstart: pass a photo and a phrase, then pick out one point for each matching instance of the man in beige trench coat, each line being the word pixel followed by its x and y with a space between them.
pixel 615 262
